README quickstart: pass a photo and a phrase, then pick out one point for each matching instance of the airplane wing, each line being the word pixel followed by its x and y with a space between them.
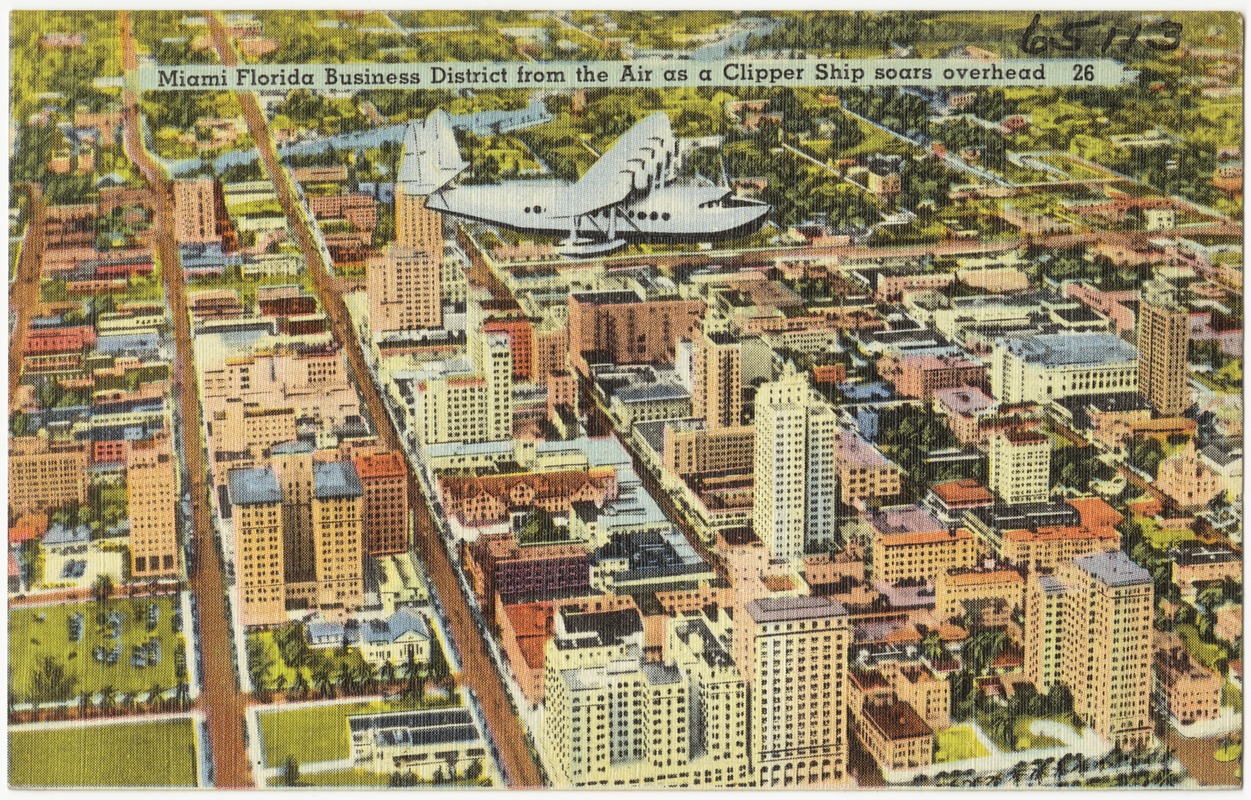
pixel 639 160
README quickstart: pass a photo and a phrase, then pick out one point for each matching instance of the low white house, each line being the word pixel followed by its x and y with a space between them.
pixel 380 639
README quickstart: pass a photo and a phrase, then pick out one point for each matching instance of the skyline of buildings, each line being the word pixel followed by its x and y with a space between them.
pixel 657 437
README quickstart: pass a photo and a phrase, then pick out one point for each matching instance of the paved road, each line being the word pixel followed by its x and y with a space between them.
pixel 478 671
pixel 24 291
pixel 223 703
pixel 768 255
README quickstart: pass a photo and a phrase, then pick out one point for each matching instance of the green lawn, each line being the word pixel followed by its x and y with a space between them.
pixel 330 656
pixel 143 754
pixel 1160 538
pixel 315 733
pixel 1231 695
pixel 1027 741
pixel 31 640
pixel 957 744
pixel 1205 653
pixel 1231 752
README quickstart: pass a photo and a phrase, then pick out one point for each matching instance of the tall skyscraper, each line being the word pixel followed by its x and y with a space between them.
pixel 717 380
pixel 292 464
pixel 195 211
pixel 616 719
pixel 256 510
pixel 404 290
pixel 1163 341
pixel 1089 626
pixel 406 286
pixel 794 466
pixel 336 516
pixel 1020 467
pixel 793 653
pixel 152 498
pixel 322 522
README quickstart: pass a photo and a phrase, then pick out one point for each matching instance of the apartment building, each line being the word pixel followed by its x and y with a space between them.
pixel 957 589
pixel 922 555
pixel 46 474
pixel 1183 688
pixel 863 472
pixel 1088 625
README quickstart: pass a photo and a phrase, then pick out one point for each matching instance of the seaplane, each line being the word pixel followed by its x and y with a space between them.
pixel 634 192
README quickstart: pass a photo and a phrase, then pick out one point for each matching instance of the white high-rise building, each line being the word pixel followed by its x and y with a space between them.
pixel 794 466
pixel 1020 467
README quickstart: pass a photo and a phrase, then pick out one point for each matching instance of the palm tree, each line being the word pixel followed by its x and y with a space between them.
pixel 387 673
pixel 301 683
pixel 932 647
pixel 154 696
pixel 108 699
pixel 321 679
pixel 345 678
pixel 366 676
pixel 1211 596
pixel 102 589
pixel 1017 773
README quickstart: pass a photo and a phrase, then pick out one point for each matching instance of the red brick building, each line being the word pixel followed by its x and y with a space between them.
pixel 498 565
pixel 358 209
pixel 921 375
pixel 487 499
pixel 626 329
pixel 384 514
pixel 520 335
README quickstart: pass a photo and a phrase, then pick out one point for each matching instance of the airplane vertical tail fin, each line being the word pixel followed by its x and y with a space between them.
pixel 431 156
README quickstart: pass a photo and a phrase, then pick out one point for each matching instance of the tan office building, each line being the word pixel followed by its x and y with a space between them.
pixel 152 500
pixel 1089 626
pixel 195 211
pixel 793 501
pixel 1020 467
pixel 1163 340
pixel 717 383
pixel 46 475
pixel 256 511
pixel 793 652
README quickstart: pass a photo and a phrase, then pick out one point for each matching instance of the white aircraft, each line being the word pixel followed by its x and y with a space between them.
pixel 631 193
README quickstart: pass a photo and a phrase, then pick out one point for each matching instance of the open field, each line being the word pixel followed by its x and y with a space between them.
pixel 142 754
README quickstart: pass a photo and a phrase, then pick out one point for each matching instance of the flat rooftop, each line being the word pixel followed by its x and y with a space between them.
pixel 786 609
